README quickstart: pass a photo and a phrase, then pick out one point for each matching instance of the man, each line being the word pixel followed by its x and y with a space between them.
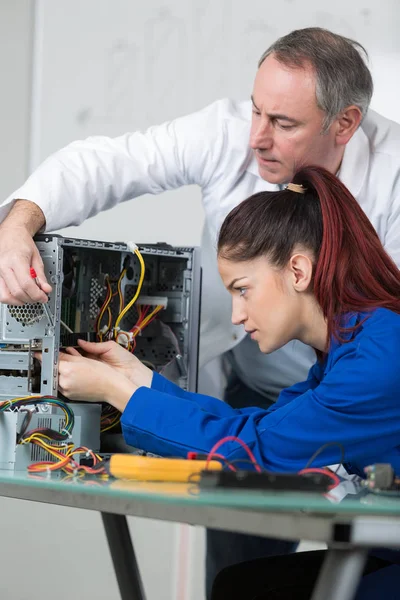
pixel 309 106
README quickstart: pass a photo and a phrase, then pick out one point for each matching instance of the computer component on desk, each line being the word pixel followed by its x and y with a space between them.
pixel 18 456
pixel 145 297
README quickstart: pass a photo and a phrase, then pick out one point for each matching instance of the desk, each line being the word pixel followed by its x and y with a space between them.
pixel 349 528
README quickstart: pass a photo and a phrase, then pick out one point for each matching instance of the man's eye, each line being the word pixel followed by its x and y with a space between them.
pixel 256 112
pixel 286 126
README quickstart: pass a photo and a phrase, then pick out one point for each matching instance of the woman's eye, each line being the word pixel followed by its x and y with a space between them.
pixel 242 291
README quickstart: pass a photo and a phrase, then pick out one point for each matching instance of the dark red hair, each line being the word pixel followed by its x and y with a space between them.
pixel 352 271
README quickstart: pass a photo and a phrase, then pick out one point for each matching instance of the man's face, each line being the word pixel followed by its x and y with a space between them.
pixel 286 127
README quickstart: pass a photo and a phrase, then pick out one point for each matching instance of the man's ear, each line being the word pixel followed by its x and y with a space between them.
pixel 301 269
pixel 347 124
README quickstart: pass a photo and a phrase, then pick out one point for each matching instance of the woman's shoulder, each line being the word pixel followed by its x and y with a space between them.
pixel 372 354
pixel 379 321
pixel 378 334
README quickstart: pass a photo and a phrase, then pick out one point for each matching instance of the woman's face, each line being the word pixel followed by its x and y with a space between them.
pixel 266 300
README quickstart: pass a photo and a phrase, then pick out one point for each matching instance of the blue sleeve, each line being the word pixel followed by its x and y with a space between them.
pixel 208 403
pixel 356 404
pixel 161 384
pixel 287 395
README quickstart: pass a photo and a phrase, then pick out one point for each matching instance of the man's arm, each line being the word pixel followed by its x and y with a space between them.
pixel 89 176
pixel 17 229
pixel 25 214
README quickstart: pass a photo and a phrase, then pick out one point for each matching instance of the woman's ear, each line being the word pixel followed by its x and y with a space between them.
pixel 301 269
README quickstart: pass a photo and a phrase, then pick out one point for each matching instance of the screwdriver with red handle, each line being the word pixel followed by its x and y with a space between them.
pixel 45 306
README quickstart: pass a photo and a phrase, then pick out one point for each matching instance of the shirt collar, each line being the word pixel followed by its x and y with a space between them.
pixel 355 163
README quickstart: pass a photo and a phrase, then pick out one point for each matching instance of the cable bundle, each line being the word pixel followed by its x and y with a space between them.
pixel 55 443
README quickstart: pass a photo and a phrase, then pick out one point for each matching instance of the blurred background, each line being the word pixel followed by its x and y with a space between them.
pixel 75 68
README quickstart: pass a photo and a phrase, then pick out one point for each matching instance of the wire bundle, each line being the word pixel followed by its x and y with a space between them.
pixel 109 418
pixel 50 434
pixel 143 320
pixel 110 331
pixel 105 307
pixel 56 443
pixel 65 461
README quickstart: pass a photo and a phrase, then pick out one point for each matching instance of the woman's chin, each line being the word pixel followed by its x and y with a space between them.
pixel 266 347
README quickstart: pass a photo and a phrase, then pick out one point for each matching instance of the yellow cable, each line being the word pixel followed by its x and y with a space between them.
pixel 121 300
pixel 146 320
pixel 107 302
pixel 139 287
pixel 109 427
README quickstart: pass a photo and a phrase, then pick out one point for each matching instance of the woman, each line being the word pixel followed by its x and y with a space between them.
pixel 301 264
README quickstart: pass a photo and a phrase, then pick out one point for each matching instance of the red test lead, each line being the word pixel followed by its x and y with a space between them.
pixel 45 307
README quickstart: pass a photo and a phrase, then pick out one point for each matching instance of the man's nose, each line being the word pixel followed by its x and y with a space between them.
pixel 262 135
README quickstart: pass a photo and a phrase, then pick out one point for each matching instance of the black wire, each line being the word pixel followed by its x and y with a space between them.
pixel 25 423
pixel 322 448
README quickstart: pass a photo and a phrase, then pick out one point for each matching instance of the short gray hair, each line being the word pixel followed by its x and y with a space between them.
pixel 342 76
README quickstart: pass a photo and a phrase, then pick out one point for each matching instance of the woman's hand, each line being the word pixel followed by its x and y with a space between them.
pixel 81 378
pixel 122 361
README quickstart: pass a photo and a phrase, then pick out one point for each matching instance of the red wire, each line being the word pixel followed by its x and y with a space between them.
pixel 143 313
pixel 107 299
pixel 231 467
pixel 233 438
pixel 333 476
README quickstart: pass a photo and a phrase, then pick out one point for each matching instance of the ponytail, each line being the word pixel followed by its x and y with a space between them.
pixel 353 272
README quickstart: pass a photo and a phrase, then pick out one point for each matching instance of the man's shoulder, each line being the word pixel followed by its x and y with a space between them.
pixel 227 108
pixel 224 128
pixel 222 114
pixel 383 133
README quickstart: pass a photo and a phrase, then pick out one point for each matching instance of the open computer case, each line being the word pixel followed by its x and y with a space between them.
pixel 84 275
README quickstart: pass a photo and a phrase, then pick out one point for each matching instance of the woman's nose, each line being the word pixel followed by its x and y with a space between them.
pixel 238 314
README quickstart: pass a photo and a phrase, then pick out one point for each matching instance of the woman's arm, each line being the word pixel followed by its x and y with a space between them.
pixel 162 384
pixel 356 405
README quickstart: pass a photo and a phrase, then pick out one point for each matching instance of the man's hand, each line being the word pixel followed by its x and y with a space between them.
pixel 18 253
pixel 123 362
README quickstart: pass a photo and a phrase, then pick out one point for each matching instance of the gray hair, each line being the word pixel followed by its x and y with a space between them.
pixel 342 76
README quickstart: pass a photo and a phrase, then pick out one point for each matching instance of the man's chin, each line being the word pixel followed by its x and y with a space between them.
pixel 271 173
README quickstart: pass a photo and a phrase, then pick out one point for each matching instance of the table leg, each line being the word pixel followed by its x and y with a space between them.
pixel 123 556
pixel 340 574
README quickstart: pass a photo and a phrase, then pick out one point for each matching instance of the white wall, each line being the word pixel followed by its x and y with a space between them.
pixel 105 67
pixel 15 87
